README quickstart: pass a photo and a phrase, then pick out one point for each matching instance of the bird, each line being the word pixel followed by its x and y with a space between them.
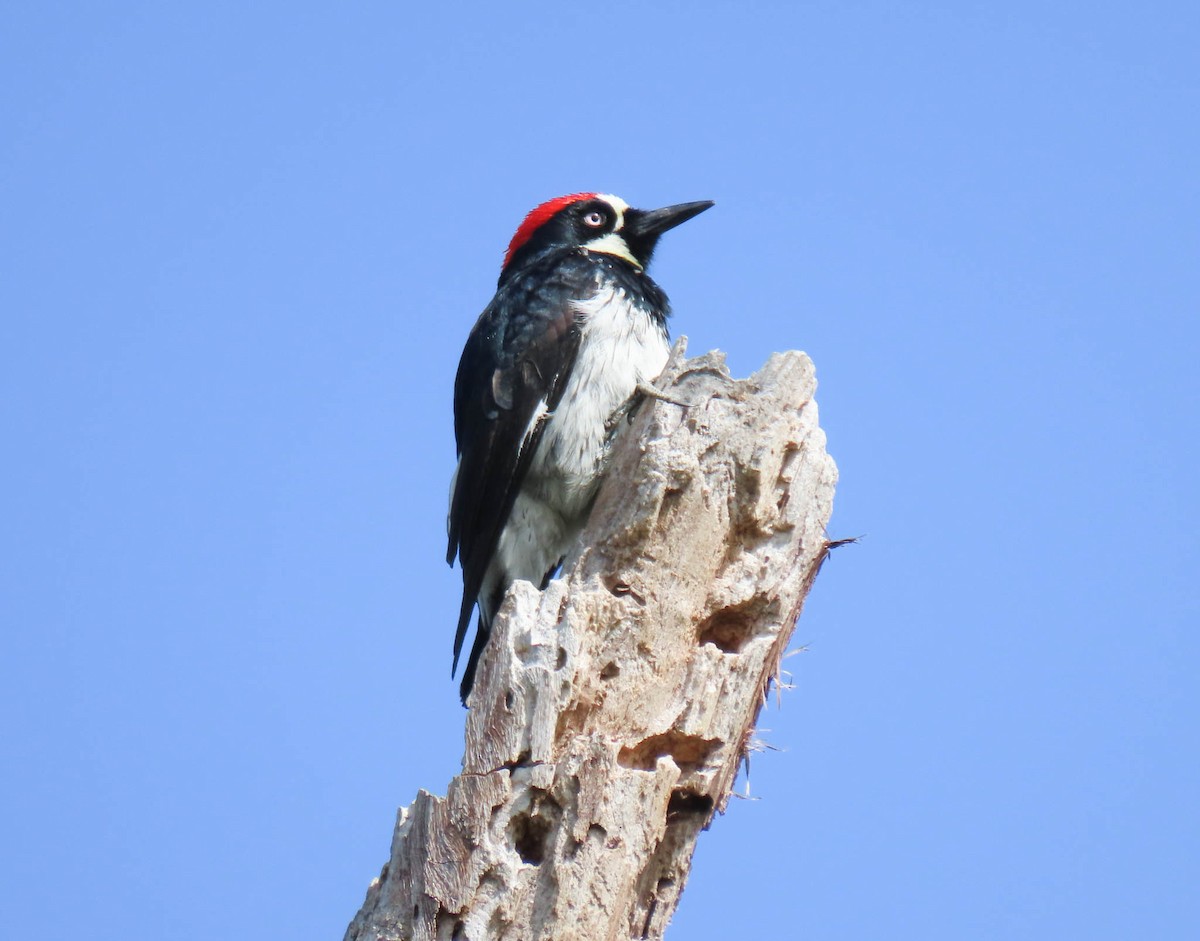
pixel 575 329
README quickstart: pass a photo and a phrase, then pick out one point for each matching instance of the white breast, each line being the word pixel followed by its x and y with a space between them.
pixel 620 346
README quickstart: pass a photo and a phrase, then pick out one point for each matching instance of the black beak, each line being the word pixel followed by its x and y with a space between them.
pixel 644 226
pixel 651 223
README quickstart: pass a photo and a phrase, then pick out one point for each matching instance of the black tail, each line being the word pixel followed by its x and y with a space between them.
pixel 482 632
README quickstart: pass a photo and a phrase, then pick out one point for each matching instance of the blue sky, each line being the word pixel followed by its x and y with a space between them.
pixel 242 248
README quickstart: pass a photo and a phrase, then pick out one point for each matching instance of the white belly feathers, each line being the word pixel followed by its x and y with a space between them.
pixel 620 346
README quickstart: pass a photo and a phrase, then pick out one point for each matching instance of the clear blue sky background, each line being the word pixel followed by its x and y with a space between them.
pixel 242 245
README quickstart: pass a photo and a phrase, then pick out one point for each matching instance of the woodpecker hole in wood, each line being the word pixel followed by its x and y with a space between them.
pixel 689 752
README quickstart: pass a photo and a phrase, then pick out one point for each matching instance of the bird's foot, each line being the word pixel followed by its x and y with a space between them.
pixel 629 409
pixel 648 391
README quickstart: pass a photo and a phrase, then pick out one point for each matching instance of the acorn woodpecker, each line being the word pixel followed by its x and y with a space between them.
pixel 575 328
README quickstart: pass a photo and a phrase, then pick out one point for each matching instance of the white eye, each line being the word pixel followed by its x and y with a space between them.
pixel 595 219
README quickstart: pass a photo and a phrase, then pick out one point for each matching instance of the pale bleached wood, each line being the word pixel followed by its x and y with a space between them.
pixel 611 711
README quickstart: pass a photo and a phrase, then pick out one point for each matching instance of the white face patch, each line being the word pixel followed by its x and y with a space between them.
pixel 613 244
pixel 620 207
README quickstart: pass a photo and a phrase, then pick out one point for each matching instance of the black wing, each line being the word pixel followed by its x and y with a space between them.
pixel 515 365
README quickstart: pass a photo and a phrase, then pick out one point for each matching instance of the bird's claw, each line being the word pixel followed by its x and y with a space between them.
pixel 641 392
pixel 649 391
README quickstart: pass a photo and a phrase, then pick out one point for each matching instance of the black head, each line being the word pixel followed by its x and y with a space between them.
pixel 597 222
